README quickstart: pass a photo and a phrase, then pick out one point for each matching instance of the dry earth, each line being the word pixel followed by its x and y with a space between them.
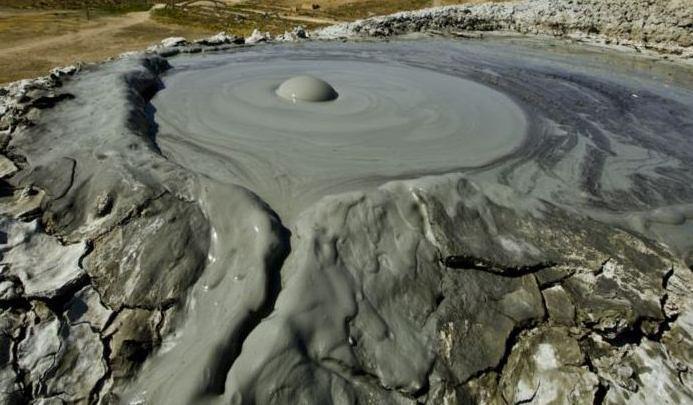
pixel 35 41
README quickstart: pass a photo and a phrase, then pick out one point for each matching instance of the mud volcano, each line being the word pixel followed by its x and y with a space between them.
pixel 419 221
pixel 379 279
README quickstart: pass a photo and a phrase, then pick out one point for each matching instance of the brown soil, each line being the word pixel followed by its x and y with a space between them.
pixel 32 42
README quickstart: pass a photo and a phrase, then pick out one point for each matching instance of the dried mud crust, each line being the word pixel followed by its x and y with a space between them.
pixel 70 335
pixel 660 25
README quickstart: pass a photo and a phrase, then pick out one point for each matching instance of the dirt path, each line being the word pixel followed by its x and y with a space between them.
pixel 105 27
pixel 31 43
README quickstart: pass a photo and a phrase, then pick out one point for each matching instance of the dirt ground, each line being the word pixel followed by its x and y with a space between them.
pixel 331 4
pixel 241 17
pixel 32 40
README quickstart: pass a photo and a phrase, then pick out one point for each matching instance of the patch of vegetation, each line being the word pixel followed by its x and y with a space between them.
pixel 369 8
pixel 22 26
pixel 232 19
pixel 103 7
pixel 349 10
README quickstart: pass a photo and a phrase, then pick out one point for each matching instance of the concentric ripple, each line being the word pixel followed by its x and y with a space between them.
pixel 576 126
pixel 389 120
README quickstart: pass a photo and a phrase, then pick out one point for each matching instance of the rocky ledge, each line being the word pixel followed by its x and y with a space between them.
pixel 664 26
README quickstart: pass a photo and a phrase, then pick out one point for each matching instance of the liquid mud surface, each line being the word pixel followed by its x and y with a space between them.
pixel 575 125
pixel 221 116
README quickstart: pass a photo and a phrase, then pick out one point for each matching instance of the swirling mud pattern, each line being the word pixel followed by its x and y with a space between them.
pixel 390 120
pixel 580 132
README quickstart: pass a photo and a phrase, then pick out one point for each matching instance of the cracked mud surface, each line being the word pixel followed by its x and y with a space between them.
pixel 145 261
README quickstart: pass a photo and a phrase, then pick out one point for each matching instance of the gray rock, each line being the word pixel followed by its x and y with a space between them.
pixel 10 390
pixel 654 376
pixel 637 298
pixel 10 290
pixel 64 71
pixel 39 350
pixel 49 401
pixel 547 366
pixel 551 276
pixel 659 24
pixel 152 259
pixel 11 321
pixel 133 334
pixel 59 362
pixel 482 390
pixel 221 38
pixel 558 304
pixel 10 387
pixel 42 264
pixel 79 365
pixel 173 41
pixel 7 167
pixel 482 311
pixel 258 37
pixel 22 203
pixel 610 363
pixel 298 33
pixel 86 307
pixel 614 296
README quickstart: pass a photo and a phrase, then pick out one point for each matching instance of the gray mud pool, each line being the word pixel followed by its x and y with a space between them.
pixel 579 126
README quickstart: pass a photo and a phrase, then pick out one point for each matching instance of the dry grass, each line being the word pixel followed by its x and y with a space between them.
pixel 36 35
pixel 32 42
pixel 278 16
pixel 357 9
pixel 233 20
pixel 98 6
pixel 367 8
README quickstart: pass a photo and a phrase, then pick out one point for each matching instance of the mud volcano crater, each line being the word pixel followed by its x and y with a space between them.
pixel 414 108
pixel 418 221
pixel 390 119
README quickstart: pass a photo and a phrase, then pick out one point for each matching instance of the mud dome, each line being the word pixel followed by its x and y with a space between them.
pixel 498 221
pixel 306 88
